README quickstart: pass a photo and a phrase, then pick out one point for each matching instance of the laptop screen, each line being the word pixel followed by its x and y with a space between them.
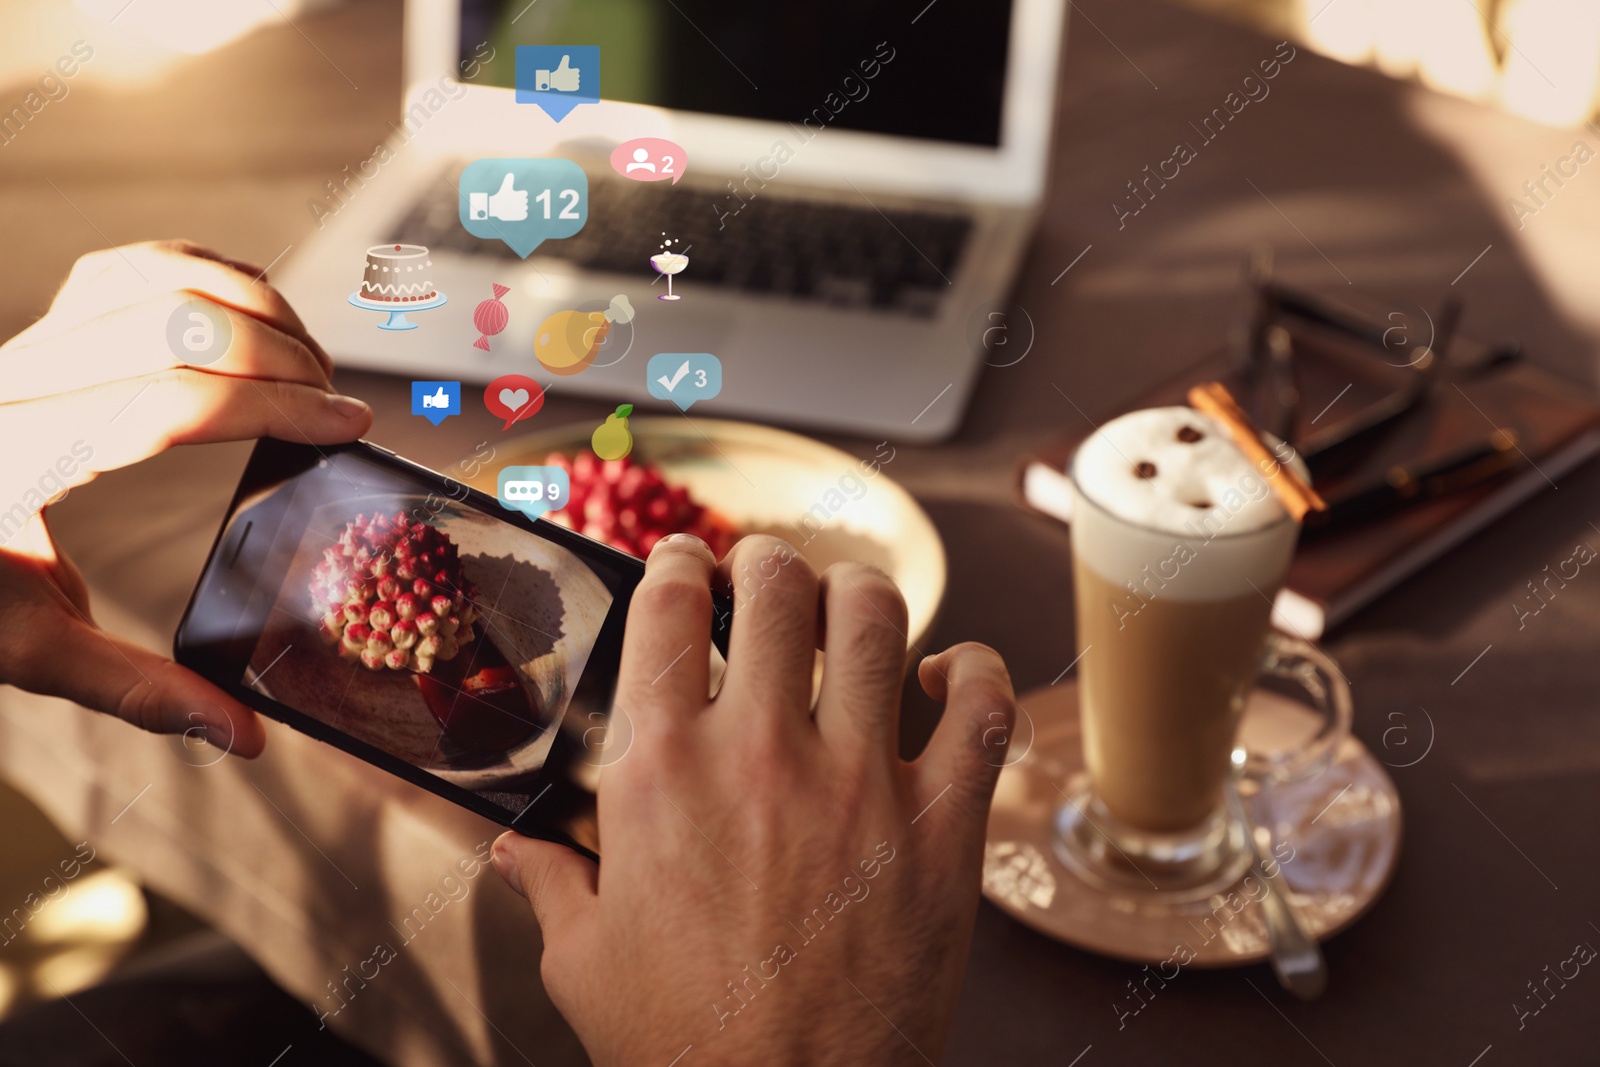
pixel 912 68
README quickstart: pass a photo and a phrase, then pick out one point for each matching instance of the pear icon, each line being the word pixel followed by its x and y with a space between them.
pixel 612 440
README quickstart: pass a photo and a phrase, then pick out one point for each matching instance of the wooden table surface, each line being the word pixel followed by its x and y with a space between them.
pixel 1357 180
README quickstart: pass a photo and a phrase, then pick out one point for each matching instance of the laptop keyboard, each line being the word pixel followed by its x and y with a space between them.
pixel 894 260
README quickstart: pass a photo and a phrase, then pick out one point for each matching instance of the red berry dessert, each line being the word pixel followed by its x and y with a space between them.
pixel 630 506
pixel 392 594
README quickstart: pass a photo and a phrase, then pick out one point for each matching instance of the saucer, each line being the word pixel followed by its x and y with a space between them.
pixel 1343 827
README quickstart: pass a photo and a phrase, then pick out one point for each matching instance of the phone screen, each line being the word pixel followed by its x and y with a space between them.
pixel 414 622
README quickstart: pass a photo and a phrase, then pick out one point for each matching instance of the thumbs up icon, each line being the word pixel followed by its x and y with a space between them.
pixel 506 204
pixel 436 401
pixel 564 79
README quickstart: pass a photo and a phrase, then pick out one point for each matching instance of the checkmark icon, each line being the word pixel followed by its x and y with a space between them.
pixel 671 383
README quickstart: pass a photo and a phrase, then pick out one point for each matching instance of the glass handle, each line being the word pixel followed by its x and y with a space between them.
pixel 1302 664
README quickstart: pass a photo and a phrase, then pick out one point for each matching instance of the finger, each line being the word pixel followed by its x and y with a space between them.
pixel 112 425
pixel 968 747
pixel 189 248
pixel 772 646
pixel 562 886
pixel 121 277
pixel 666 648
pixel 139 339
pixel 101 671
pixel 865 659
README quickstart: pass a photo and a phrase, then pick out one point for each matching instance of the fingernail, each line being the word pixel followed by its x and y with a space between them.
pixel 680 539
pixel 213 724
pixel 348 407
pixel 506 867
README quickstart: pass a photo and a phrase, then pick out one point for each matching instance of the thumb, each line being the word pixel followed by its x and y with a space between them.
pixel 566 63
pixel 973 739
pixel 561 885
pixel 104 672
pixel 505 186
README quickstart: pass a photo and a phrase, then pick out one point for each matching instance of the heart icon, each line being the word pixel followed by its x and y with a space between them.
pixel 513 397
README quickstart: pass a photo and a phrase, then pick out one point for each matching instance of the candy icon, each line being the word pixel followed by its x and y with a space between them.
pixel 490 317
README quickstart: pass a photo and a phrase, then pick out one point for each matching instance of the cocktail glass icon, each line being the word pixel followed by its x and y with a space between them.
pixel 669 263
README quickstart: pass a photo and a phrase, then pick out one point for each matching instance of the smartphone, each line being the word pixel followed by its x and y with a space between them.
pixel 413 622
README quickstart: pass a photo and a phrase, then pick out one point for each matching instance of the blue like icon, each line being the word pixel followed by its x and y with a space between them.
pixel 558 77
pixel 436 401
pixel 684 377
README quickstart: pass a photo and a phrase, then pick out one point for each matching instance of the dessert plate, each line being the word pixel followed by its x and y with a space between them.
pixel 560 606
pixel 819 499
pixel 397 312
pixel 1336 836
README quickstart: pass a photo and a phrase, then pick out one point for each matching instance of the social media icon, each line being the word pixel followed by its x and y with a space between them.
pixel 612 439
pixel 513 397
pixel 671 262
pixel 523 202
pixel 199 332
pixel 436 401
pixel 568 341
pixel 533 490
pixel 508 204
pixel 684 377
pixel 557 78
pixel 564 79
pixel 650 159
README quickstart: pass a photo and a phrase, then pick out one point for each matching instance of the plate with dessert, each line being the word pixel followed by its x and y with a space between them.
pixel 380 629
pixel 722 480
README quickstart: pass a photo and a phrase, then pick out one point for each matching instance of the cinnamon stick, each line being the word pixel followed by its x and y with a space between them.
pixel 1298 498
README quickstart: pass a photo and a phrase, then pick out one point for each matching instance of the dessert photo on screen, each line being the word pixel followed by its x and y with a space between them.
pixel 438 634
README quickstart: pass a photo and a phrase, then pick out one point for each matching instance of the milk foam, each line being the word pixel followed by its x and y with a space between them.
pixel 1187 484
pixel 1182 520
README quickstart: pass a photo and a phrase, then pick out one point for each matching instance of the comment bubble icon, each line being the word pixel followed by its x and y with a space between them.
pixel 650 159
pixel 684 378
pixel 513 397
pixel 533 490
pixel 523 202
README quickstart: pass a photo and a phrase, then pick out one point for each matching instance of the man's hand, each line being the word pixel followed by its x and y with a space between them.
pixel 98 384
pixel 778 886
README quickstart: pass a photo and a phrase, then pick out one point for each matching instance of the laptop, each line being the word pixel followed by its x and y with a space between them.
pixel 859 188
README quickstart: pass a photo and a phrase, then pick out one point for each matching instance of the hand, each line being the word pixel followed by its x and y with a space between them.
pixel 97 384
pixel 778 886
pixel 564 79
pixel 508 204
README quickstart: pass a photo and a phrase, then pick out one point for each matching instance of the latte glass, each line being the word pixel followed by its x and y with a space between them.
pixel 1175 631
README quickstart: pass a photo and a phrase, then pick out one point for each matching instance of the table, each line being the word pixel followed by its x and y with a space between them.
pixel 309 859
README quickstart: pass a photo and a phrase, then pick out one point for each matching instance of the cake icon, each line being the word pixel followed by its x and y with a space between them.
pixel 398 279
